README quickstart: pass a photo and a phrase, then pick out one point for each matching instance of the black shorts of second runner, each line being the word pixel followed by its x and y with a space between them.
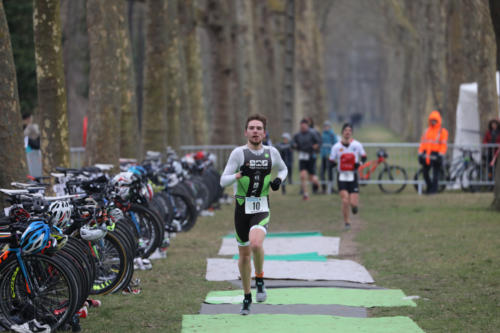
pixel 308 165
pixel 243 223
pixel 350 187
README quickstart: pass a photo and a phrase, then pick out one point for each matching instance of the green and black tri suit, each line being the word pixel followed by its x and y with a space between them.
pixel 255 185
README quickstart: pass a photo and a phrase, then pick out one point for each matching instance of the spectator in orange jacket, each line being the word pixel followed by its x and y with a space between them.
pixel 433 146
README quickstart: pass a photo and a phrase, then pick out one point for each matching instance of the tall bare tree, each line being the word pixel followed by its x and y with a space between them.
pixel 129 144
pixel 12 153
pixel 103 141
pixel 194 70
pixel 154 116
pixel 50 82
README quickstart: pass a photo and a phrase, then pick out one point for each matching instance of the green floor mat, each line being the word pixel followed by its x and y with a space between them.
pixel 339 296
pixel 309 256
pixel 278 323
pixel 286 234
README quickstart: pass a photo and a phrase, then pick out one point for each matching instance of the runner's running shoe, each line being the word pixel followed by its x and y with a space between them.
pixel 261 295
pixel 354 209
pixel 347 226
pixel 31 326
pixel 245 309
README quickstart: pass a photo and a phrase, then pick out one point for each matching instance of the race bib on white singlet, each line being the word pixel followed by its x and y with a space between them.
pixel 303 156
pixel 346 176
pixel 255 205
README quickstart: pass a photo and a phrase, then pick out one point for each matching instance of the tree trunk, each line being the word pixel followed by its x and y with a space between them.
pixel 103 140
pixel 129 136
pixel 174 78
pixel 12 153
pixel 194 73
pixel 50 80
pixel 154 118
pixel 76 66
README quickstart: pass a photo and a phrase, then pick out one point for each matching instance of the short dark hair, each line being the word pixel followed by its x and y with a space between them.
pixel 256 116
pixel 346 125
pixel 304 121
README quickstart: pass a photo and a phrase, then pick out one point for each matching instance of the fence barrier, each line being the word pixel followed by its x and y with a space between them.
pixel 459 158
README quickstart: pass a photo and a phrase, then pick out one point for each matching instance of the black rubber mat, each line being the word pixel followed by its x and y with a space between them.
pixel 300 283
pixel 299 309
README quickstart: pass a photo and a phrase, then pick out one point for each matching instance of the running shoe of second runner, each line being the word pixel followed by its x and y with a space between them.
pixel 261 294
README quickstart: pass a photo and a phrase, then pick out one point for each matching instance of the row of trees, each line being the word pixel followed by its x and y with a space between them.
pixel 148 74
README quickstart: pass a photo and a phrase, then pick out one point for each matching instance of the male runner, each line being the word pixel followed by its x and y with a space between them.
pixel 346 154
pixel 250 166
pixel 306 142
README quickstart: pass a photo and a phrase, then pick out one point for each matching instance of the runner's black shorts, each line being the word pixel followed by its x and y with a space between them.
pixel 308 165
pixel 350 187
pixel 243 223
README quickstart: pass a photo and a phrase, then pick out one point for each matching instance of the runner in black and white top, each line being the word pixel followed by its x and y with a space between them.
pixel 347 155
pixel 250 166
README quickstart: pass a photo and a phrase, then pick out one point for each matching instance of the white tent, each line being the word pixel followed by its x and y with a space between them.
pixel 468 127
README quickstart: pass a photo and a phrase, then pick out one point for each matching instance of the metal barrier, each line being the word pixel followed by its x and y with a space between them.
pixel 404 155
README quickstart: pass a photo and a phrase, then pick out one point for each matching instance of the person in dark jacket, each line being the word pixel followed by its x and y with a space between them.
pixel 285 149
pixel 492 136
pixel 306 143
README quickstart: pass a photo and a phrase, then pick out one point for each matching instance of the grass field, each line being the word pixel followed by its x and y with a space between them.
pixel 443 248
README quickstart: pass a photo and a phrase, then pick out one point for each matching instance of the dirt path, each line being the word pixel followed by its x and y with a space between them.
pixel 348 246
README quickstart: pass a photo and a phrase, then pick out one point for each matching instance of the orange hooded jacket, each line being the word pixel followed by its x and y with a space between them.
pixel 434 139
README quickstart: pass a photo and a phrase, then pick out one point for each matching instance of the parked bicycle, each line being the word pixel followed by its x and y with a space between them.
pixel 460 170
pixel 394 174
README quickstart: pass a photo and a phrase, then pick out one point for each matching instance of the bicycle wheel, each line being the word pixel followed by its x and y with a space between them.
pixel 185 210
pixel 53 299
pixel 473 175
pixel 151 231
pixel 393 173
pixel 111 263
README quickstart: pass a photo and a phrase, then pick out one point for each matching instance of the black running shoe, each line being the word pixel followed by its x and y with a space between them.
pixel 245 308
pixel 354 209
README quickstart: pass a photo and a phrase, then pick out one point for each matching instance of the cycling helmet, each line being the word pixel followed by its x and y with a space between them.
pixel 93 233
pixel 116 214
pixel 123 179
pixel 35 237
pixel 60 212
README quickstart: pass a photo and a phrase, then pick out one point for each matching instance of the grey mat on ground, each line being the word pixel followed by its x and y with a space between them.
pixel 331 270
pixel 334 310
pixel 298 283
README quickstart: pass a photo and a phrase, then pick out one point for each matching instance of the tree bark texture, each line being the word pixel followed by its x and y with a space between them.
pixel 130 146
pixel 12 153
pixel 194 71
pixel 54 142
pixel 76 66
pixel 176 105
pixel 103 141
pixel 154 117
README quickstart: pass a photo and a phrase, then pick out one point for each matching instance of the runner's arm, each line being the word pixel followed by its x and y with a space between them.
pixel 278 161
pixel 232 167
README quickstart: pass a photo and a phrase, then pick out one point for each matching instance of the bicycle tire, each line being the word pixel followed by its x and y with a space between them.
pixel 150 229
pixel 17 307
pixel 393 172
pixel 419 176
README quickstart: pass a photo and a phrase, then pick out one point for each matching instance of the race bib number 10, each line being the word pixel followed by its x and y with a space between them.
pixel 255 205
